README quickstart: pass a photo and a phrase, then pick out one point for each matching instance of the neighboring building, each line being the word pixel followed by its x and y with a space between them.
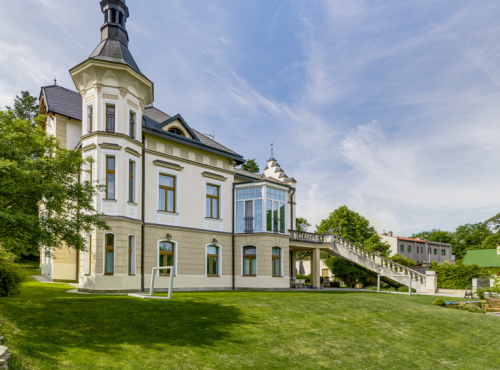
pixel 418 250
pixel 171 192
pixel 483 257
pixel 325 271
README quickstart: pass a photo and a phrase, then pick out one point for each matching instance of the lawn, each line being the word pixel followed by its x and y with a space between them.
pixel 47 328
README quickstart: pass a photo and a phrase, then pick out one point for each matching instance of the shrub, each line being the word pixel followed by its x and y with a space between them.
pixel 493 291
pixel 439 302
pixel 11 275
pixel 470 307
pixel 349 273
pixel 456 276
pixel 404 288
pixel 402 260
pixel 307 277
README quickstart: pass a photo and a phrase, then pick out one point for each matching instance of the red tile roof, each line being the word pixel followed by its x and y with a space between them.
pixel 411 240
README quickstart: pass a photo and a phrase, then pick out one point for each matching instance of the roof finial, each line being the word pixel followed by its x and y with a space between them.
pixel 55 81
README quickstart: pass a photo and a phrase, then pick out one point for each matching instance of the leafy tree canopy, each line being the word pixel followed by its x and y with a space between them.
pixel 402 260
pixel 251 166
pixel 375 244
pixel 491 242
pixel 436 236
pixel 348 224
pixel 25 107
pixel 301 224
pixel 42 203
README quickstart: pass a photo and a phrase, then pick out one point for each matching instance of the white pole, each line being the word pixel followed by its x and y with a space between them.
pixel 409 288
pixel 151 289
pixel 378 283
pixel 171 283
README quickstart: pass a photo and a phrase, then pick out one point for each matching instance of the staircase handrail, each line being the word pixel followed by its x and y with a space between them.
pixel 335 236
pixel 310 237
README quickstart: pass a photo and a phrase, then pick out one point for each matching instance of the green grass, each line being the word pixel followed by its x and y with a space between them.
pixel 47 328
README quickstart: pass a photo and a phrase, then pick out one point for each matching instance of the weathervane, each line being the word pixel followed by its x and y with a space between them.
pixel 272 151
pixel 55 80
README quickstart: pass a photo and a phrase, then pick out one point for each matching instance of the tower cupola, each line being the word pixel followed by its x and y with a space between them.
pixel 115 19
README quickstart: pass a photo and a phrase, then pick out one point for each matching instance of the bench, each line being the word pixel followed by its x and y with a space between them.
pixel 492 304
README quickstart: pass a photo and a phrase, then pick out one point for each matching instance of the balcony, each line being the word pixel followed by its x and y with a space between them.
pixel 314 238
pixel 248 224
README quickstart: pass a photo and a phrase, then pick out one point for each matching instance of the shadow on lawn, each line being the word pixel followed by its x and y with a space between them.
pixel 48 327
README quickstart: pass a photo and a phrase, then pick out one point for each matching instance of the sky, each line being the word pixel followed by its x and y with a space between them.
pixel 388 107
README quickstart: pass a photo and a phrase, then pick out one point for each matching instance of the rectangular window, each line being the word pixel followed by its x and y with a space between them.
pixel 249 193
pixel 269 215
pixel 131 181
pixel 166 257
pixel 110 177
pixel 167 193
pixel 257 223
pixel 249 261
pixel 131 255
pixel 282 218
pixel 276 261
pixel 212 201
pixel 443 252
pixel 90 118
pixel 88 256
pixel 409 248
pixel 212 261
pixel 110 118
pixel 240 215
pixel 109 252
pixel 435 251
pixel 132 125
pixel 402 248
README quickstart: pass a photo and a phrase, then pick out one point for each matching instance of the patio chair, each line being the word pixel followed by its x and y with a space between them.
pixel 468 292
pixel 300 283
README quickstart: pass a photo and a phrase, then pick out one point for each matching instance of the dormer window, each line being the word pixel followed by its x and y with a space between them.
pixel 120 18
pixel 106 17
pixel 113 15
pixel 176 131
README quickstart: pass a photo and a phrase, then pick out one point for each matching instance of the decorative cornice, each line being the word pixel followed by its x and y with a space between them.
pixel 110 146
pixel 123 92
pixel 86 148
pixel 214 176
pixel 112 134
pixel 132 151
pixel 172 166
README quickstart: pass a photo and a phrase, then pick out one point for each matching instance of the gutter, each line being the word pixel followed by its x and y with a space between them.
pixel 143 208
pixel 232 222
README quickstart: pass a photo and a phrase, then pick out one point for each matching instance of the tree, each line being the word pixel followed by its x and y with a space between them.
pixel 25 107
pixel 402 260
pixel 42 201
pixel 494 222
pixel 251 166
pixel 491 242
pixel 375 244
pixel 470 236
pixel 348 224
pixel 349 273
pixel 301 224
pixel 436 236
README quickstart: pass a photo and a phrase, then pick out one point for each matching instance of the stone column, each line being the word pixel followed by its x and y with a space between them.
pixel 474 286
pixel 315 269
pixel 431 281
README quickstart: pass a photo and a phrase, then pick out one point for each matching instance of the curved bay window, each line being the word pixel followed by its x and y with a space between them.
pixel 276 261
pixel 167 251
pixel 109 254
pixel 212 260
pixel 249 261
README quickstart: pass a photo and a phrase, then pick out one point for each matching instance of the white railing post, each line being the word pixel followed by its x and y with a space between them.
pixel 378 283
pixel 153 275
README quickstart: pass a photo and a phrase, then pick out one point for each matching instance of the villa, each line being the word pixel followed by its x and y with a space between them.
pixel 173 196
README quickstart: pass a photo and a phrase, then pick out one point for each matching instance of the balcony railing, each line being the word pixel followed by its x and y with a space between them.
pixel 248 224
pixel 301 236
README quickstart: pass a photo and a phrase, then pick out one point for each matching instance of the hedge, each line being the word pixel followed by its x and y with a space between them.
pixel 11 275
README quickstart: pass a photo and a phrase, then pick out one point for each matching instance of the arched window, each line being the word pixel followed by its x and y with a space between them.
pixel 166 257
pixel 212 260
pixel 276 261
pixel 249 261
pixel 175 130
pixel 109 254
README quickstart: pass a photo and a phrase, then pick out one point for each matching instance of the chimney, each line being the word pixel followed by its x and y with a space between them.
pixel 390 233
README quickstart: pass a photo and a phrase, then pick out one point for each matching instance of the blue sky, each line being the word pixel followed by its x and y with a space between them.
pixel 388 107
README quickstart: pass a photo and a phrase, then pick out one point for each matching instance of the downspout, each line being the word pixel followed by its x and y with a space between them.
pixel 232 222
pixel 292 262
pixel 143 191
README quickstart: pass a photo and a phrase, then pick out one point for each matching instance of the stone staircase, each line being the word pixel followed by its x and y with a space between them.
pixel 347 250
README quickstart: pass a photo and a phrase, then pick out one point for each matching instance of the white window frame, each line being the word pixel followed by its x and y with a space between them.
pixel 256 260
pixel 132 109
pixel 263 213
pixel 104 254
pixel 264 208
pixel 86 256
pixel 221 198
pixel 110 102
pixel 176 174
pixel 282 266
pixel 134 195
pixel 134 255
pixel 219 261
pixel 87 123
pixel 176 252
pixel 116 154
